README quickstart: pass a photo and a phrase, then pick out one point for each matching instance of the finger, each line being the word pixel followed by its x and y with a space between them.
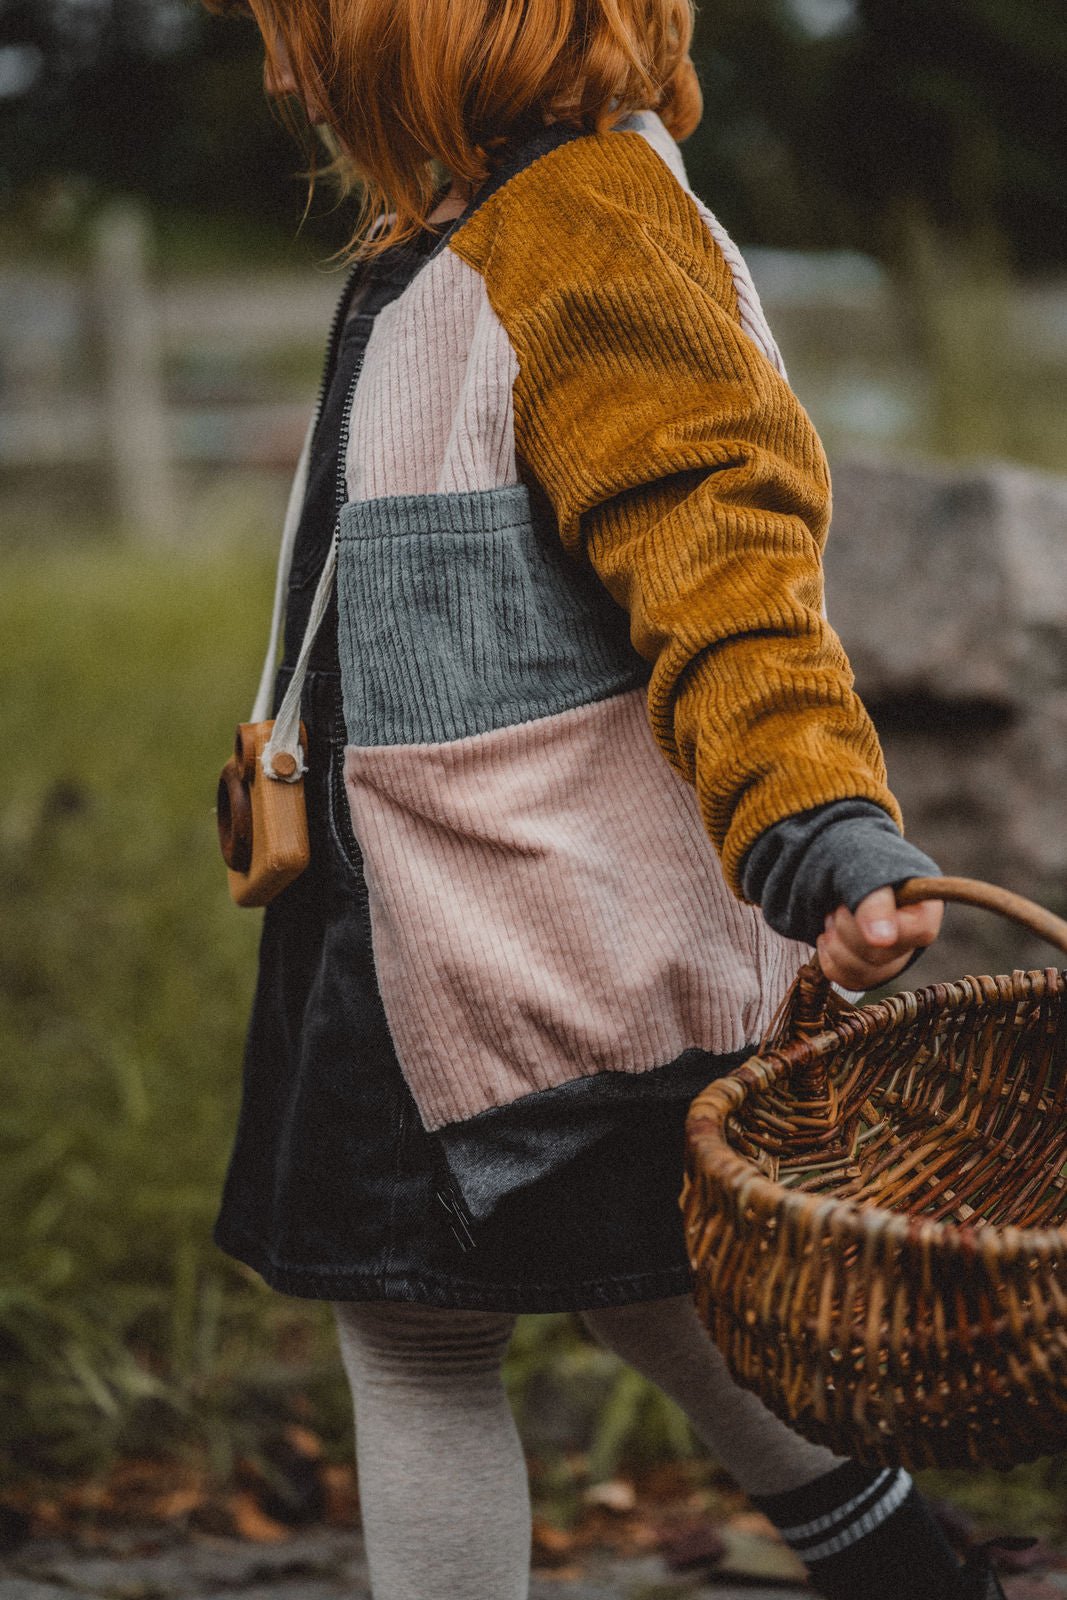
pixel 920 924
pixel 850 971
pixel 846 947
pixel 916 926
pixel 843 924
pixel 878 919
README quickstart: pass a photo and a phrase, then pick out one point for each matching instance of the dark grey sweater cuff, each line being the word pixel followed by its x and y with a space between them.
pixel 809 864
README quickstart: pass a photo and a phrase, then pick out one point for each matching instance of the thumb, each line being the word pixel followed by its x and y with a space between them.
pixel 876 917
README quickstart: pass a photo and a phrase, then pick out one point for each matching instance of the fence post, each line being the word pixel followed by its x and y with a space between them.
pixel 136 419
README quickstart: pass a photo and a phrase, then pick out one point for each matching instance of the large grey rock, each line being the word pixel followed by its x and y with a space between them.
pixel 950 585
pixel 949 590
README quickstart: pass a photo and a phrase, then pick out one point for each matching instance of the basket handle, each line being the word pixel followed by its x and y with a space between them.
pixel 813 987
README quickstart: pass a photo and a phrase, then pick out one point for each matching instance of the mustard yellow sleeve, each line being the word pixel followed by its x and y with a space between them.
pixel 681 465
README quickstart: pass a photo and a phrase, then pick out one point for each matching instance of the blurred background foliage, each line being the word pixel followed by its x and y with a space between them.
pixel 829 122
pixel 928 137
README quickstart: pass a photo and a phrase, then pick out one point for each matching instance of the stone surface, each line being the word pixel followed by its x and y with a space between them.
pixel 318 1566
pixel 198 1565
pixel 12 1588
pixel 294 1589
pixel 949 589
pixel 330 1566
pixel 950 585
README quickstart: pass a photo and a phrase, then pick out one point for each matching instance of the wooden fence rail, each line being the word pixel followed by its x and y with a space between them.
pixel 143 376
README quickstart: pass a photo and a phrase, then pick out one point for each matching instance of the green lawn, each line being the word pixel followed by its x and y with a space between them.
pixel 124 981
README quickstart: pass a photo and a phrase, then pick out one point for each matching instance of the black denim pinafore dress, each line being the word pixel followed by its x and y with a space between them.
pixel 335 1191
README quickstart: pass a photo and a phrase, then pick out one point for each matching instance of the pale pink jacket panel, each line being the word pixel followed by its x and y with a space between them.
pixel 433 412
pixel 546 904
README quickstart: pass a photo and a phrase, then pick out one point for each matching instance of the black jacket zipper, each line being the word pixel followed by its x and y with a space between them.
pixel 339 798
pixel 333 339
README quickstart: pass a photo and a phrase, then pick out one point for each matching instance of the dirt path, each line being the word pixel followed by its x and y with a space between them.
pixel 319 1566
pixel 325 1564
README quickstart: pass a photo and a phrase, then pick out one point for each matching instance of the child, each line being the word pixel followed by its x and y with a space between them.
pixel 575 515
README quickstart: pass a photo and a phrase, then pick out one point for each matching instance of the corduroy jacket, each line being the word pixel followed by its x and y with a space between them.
pixel 593 705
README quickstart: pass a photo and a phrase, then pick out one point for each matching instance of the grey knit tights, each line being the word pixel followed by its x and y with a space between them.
pixel 443 1491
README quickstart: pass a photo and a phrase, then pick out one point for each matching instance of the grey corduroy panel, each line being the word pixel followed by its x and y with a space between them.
pixel 461 613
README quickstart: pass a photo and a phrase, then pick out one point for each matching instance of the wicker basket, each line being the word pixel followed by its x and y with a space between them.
pixel 876 1210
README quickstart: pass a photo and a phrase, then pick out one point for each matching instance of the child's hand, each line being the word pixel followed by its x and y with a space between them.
pixel 864 949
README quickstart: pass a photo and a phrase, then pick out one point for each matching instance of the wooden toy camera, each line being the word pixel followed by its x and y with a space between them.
pixel 262 818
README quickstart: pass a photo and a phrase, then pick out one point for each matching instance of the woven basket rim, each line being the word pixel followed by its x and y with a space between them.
pixel 710 1149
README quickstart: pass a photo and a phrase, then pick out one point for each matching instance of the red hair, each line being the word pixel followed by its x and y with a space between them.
pixel 407 83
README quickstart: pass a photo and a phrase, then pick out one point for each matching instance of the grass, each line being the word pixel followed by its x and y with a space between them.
pixel 123 988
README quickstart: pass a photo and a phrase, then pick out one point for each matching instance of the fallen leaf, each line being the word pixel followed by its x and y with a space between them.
pixel 551 1543
pixel 178 1503
pixel 304 1442
pixel 696 1545
pixel 92 1496
pixel 340 1494
pixel 617 1494
pixel 46 1517
pixel 750 1556
pixel 250 1523
pixel 754 1522
pixel 671 1480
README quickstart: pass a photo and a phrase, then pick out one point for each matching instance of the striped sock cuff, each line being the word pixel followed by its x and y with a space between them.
pixel 866 1531
pixel 837 1509
pixel 847 1523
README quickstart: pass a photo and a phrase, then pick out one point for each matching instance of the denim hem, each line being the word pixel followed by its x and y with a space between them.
pixel 453 1293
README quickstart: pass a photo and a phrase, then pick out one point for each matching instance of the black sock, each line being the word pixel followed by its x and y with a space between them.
pixel 865 1533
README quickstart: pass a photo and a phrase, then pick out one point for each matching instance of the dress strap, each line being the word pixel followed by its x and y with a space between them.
pixel 265 693
pixel 285 739
pixel 286 735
